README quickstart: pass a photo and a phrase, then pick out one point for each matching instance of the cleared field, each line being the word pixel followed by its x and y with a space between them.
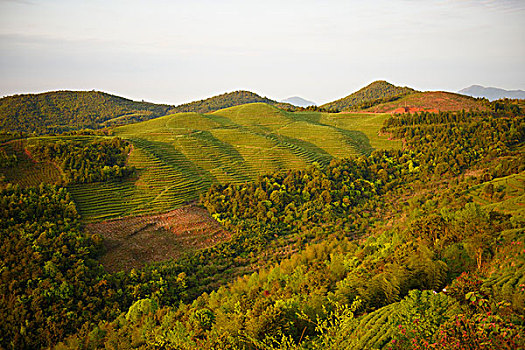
pixel 179 156
pixel 134 242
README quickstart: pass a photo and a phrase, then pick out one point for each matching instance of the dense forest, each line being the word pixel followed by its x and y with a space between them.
pixel 388 251
pixel 56 112
pixel 376 93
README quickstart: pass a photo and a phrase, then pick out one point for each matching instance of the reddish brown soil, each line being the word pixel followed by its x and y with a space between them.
pixel 135 241
pixel 413 110
pixel 431 101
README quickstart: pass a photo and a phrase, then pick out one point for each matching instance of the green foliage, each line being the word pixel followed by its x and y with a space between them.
pixel 349 253
pixel 506 280
pixel 228 100
pixel 56 112
pixel 140 308
pixel 98 160
pixel 421 314
pixel 49 283
pixel 333 330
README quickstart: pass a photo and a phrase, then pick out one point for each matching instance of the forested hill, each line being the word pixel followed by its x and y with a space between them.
pixel 227 100
pixel 60 111
pixel 377 92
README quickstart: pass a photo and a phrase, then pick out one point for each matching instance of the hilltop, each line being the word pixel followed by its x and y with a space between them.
pixel 226 100
pixel 383 97
pixel 61 111
pixel 492 93
pixel 377 92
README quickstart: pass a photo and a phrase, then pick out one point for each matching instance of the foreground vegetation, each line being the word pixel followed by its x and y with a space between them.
pixel 393 249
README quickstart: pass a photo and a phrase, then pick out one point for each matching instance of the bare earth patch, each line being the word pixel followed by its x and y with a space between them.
pixel 135 241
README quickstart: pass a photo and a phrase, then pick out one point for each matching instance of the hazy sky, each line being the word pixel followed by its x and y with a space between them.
pixel 178 51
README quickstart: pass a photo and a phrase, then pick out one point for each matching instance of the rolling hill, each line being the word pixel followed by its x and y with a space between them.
pixel 60 111
pixel 226 100
pixel 377 92
pixel 420 246
pixel 179 156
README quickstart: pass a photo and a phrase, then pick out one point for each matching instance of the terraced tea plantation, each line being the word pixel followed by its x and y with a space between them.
pixel 27 172
pixel 179 156
pixel 507 195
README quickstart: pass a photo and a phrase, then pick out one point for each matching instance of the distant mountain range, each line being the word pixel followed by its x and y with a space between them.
pixel 298 101
pixel 226 100
pixel 491 93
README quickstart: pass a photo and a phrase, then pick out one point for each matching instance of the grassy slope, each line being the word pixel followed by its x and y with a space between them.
pixel 438 100
pixel 181 155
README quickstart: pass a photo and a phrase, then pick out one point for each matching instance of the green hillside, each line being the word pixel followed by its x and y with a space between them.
pixel 60 111
pixel 180 156
pixel 377 92
pixel 226 100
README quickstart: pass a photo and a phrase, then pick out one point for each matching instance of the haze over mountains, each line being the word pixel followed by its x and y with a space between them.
pixel 491 93
pixel 298 101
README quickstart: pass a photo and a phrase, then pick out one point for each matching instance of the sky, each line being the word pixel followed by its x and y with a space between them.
pixel 179 51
